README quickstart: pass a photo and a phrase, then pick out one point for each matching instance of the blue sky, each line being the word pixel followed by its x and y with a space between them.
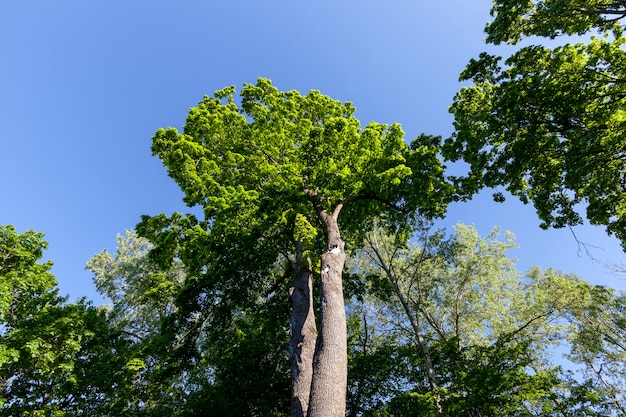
pixel 84 84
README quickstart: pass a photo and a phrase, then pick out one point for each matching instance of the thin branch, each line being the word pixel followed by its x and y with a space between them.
pixel 268 156
pixel 133 334
pixel 582 245
pixel 529 322
pixel 363 197
pixel 609 387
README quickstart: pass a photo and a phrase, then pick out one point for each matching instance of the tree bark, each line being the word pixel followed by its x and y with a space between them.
pixel 330 365
pixel 303 335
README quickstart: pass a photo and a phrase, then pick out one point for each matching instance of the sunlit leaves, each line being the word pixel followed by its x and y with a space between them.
pixel 140 293
pixel 515 19
pixel 272 171
pixel 240 162
pixel 547 123
pixel 491 331
pixel 56 358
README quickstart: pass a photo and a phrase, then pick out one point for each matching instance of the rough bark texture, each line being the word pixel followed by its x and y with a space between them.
pixel 303 335
pixel 330 366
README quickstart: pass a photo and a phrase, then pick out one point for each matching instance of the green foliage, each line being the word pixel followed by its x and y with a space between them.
pixel 267 170
pixel 489 330
pixel 483 381
pixel 515 19
pixel 598 341
pixel 141 294
pixel 378 364
pixel 245 165
pixel 58 358
pixel 223 353
pixel 547 123
pixel 23 280
pixel 248 362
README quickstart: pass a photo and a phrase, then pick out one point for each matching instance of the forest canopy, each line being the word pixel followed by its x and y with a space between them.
pixel 310 280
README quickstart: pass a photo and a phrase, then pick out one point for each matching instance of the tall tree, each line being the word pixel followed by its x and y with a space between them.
pixel 273 173
pixel 547 123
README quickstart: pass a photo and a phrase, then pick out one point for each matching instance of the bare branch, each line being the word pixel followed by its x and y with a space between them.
pixel 584 246
pixel 369 196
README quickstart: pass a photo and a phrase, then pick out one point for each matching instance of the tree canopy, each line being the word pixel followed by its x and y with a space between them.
pixel 243 163
pixel 449 310
pixel 547 123
pixel 56 358
pixel 215 313
pixel 456 311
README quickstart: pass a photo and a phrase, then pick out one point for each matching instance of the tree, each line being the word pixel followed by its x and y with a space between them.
pixel 141 294
pixel 598 339
pixel 22 279
pixel 547 123
pixel 475 336
pixel 272 175
pixel 241 358
pixel 141 297
pixel 57 358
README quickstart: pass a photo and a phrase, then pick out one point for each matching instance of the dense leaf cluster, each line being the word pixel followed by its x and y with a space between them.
pixel 547 123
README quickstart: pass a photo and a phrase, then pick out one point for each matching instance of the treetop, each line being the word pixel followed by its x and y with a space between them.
pixel 244 161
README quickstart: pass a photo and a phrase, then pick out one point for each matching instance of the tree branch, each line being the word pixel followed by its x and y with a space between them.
pixel 364 197
pixel 582 245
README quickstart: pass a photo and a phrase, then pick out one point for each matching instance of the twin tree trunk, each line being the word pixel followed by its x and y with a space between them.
pixel 319 360
pixel 303 335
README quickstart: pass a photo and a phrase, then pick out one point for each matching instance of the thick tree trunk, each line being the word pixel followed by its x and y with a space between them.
pixel 330 366
pixel 303 335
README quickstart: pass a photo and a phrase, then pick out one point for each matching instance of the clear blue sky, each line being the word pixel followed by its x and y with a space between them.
pixel 84 84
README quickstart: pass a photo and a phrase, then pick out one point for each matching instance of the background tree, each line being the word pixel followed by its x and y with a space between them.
pixel 598 339
pixel 141 295
pixel 270 174
pixel 141 298
pixel 547 123
pixel 57 358
pixel 457 311
pixel 242 357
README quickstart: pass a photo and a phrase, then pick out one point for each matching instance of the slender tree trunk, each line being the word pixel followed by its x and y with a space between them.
pixel 303 335
pixel 330 366
pixel 432 378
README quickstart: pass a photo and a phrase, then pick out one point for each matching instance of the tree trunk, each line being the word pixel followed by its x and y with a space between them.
pixel 432 378
pixel 303 335
pixel 330 366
